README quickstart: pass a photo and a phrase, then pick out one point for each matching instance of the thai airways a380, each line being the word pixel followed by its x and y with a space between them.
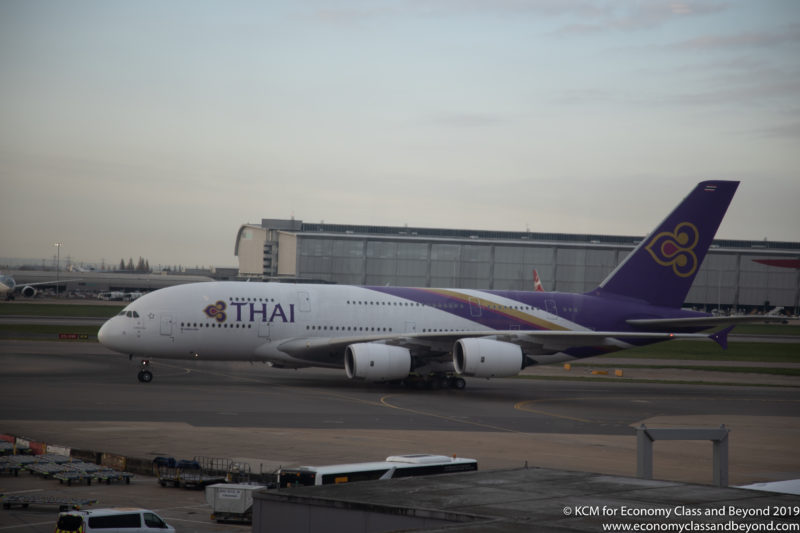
pixel 430 335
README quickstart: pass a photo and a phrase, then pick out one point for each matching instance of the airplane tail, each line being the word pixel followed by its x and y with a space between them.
pixel 537 283
pixel 663 266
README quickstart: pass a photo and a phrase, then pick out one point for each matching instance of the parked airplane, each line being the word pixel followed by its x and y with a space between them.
pixel 435 335
pixel 537 283
pixel 8 286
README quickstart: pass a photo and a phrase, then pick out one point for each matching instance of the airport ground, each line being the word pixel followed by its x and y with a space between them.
pixel 80 395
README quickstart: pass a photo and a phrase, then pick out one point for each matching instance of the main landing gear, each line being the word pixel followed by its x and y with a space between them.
pixel 435 382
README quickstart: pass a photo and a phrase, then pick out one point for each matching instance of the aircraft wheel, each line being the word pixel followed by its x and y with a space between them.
pixel 145 376
pixel 458 383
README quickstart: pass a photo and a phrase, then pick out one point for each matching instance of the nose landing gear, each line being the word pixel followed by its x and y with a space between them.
pixel 145 376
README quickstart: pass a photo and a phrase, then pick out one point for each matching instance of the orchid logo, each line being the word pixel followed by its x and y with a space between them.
pixel 216 311
pixel 676 249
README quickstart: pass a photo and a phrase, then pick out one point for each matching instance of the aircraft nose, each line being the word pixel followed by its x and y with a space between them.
pixel 102 334
pixel 109 335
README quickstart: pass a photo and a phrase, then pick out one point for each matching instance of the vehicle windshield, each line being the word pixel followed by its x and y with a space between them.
pixel 69 522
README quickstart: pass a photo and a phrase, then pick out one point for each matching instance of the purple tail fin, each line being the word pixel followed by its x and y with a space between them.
pixel 662 268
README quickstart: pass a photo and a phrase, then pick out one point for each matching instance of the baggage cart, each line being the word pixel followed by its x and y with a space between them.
pixel 26 500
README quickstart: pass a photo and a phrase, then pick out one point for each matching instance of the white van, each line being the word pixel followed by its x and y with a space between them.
pixel 116 520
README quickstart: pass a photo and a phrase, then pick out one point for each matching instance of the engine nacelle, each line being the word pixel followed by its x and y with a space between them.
pixel 376 362
pixel 28 291
pixel 486 358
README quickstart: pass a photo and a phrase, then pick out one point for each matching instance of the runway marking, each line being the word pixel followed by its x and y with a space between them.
pixel 520 406
pixel 278 386
pixel 523 406
pixel 385 403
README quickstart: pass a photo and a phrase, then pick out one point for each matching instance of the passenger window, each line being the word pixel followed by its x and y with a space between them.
pixel 115 521
pixel 152 520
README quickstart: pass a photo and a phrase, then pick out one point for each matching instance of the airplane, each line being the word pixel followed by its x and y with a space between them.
pixel 430 336
pixel 8 286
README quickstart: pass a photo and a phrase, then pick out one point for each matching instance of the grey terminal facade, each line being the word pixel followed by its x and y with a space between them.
pixel 730 278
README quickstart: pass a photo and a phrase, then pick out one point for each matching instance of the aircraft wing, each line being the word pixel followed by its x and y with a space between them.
pixel 51 282
pixel 40 283
pixel 677 324
pixel 435 345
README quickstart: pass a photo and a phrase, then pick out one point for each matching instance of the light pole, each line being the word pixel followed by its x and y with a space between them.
pixel 58 246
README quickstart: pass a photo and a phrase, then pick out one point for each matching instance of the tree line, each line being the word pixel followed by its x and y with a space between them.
pixel 142 266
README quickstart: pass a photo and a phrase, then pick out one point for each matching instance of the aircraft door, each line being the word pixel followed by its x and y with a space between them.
pixel 263 330
pixel 303 301
pixel 474 308
pixel 551 307
pixel 167 322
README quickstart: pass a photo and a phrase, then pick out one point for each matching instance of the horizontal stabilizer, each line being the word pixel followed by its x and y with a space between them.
pixel 721 337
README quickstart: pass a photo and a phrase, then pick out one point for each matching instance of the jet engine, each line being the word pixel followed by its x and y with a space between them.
pixel 486 358
pixel 28 291
pixel 376 362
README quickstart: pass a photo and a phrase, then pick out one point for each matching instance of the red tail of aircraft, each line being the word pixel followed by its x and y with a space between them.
pixel 537 283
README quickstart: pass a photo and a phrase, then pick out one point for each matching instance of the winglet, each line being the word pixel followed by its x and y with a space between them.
pixel 721 337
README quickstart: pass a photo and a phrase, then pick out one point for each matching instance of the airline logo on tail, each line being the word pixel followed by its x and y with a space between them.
pixel 537 283
pixel 676 249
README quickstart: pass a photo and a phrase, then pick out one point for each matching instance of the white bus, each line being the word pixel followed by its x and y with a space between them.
pixel 394 466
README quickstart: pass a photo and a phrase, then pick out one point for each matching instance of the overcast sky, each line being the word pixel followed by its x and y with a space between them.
pixel 157 128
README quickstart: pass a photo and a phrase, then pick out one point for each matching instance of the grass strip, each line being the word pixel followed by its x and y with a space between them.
pixel 636 380
pixel 734 369
pixel 767 352
pixel 33 331
pixel 58 310
pixel 766 329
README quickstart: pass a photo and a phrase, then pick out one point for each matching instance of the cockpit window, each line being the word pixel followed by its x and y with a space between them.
pixel 129 314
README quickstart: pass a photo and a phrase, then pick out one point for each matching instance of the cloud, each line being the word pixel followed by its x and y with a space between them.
pixel 789 34
pixel 783 131
pixel 622 16
pixel 592 15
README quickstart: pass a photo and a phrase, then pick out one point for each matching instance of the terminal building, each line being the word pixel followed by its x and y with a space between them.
pixel 736 275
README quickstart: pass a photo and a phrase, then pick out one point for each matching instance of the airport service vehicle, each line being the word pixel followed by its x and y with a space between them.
pixel 111 296
pixel 395 466
pixel 434 336
pixel 112 520
pixel 231 501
